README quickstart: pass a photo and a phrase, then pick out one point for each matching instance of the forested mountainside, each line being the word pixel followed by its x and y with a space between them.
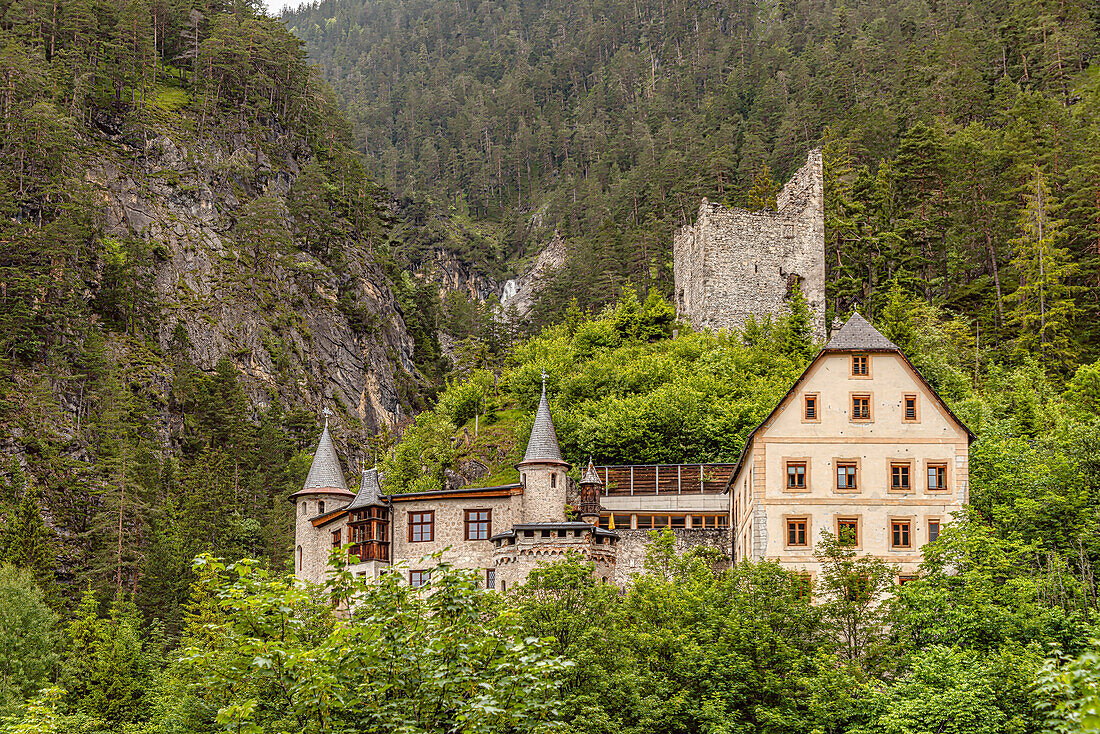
pixel 193 264
pixel 962 138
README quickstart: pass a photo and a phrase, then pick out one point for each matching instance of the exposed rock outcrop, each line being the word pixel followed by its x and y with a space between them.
pixel 522 291
pixel 283 324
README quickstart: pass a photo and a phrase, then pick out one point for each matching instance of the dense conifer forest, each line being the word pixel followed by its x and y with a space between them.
pixel 145 456
pixel 961 138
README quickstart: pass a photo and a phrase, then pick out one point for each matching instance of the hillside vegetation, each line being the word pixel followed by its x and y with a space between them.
pixel 961 138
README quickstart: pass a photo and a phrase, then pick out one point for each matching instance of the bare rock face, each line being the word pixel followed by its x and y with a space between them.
pixel 281 322
pixel 443 268
pixel 523 290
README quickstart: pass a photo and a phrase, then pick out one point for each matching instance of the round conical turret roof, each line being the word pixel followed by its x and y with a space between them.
pixel 325 474
pixel 542 447
pixel 591 476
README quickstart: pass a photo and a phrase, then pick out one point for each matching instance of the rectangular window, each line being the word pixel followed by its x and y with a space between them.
pixel 910 403
pixel 421 526
pixel 847 531
pixel 796 475
pixel 937 477
pixel 336 539
pixel 491 578
pixel 622 522
pixel 553 479
pixel 899 477
pixel 810 413
pixel 899 534
pixel 858 588
pixel 860 365
pixel 861 407
pixel 846 476
pixel 796 532
pixel 903 580
pixel 478 524
pixel 933 530
pixel 419 578
pixel 803 585
pixel 320 508
pixel 679 521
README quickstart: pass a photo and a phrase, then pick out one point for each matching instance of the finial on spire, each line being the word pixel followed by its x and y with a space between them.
pixel 326 412
pixel 544 376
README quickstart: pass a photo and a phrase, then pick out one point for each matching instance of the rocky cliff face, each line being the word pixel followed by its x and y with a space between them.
pixel 522 291
pixel 285 325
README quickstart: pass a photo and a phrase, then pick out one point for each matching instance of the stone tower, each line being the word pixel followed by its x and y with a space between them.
pixel 324 492
pixel 733 263
pixel 542 471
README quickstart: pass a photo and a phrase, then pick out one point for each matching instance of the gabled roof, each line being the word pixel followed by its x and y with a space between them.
pixel 325 474
pixel 370 491
pixel 542 447
pixel 857 335
pixel 861 337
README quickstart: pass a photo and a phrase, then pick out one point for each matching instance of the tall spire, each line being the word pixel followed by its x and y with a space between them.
pixel 543 448
pixel 325 471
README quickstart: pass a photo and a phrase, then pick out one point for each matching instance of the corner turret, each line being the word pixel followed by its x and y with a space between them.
pixel 591 485
pixel 542 471
pixel 323 493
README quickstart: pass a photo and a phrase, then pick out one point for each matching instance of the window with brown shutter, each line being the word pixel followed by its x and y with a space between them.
pixel 937 477
pixel 796 475
pixel 899 477
pixel 846 476
pixel 861 407
pixel 810 412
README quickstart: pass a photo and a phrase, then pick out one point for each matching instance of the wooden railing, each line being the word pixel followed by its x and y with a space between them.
pixel 658 479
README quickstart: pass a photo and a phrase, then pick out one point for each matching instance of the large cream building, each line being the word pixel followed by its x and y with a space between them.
pixel 861 446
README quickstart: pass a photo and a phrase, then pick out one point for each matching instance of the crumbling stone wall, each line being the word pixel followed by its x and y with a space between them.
pixel 733 263
pixel 634 544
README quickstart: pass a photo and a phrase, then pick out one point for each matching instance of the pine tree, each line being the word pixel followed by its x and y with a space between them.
pixel 1043 310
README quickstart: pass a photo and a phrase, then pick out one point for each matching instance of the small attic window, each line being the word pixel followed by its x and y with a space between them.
pixel 860 365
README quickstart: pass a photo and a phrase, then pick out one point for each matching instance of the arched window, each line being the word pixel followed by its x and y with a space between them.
pixel 320 508
pixel 299 558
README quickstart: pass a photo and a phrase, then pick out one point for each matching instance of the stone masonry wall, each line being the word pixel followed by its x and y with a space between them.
pixel 633 545
pixel 449 537
pixel 733 263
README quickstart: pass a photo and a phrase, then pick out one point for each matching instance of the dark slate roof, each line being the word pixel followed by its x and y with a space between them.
pixel 325 471
pixel 590 474
pixel 370 491
pixel 859 336
pixel 543 446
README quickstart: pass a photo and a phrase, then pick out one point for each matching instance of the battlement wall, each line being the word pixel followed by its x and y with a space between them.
pixel 733 263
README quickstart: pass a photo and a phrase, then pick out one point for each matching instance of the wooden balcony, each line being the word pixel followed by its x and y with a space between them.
pixel 372 550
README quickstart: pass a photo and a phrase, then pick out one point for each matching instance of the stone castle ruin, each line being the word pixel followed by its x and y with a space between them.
pixel 733 263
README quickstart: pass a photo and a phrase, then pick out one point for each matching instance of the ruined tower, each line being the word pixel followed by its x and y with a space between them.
pixel 733 263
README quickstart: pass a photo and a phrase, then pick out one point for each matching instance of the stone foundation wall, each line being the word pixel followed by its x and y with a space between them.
pixel 733 263
pixel 633 545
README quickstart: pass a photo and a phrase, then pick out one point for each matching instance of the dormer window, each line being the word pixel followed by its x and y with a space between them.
pixel 861 365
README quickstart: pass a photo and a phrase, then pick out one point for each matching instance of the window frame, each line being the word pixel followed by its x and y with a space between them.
pixel 788 521
pixel 852 397
pixel 866 375
pixel 411 524
pixel 916 408
pixel 803 582
pixel 424 576
pixel 858 521
pixel 804 462
pixel 337 538
pixel 837 464
pixel 816 398
pixel 895 524
pixel 491 579
pixel 930 464
pixel 929 521
pixel 899 464
pixel 467 523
